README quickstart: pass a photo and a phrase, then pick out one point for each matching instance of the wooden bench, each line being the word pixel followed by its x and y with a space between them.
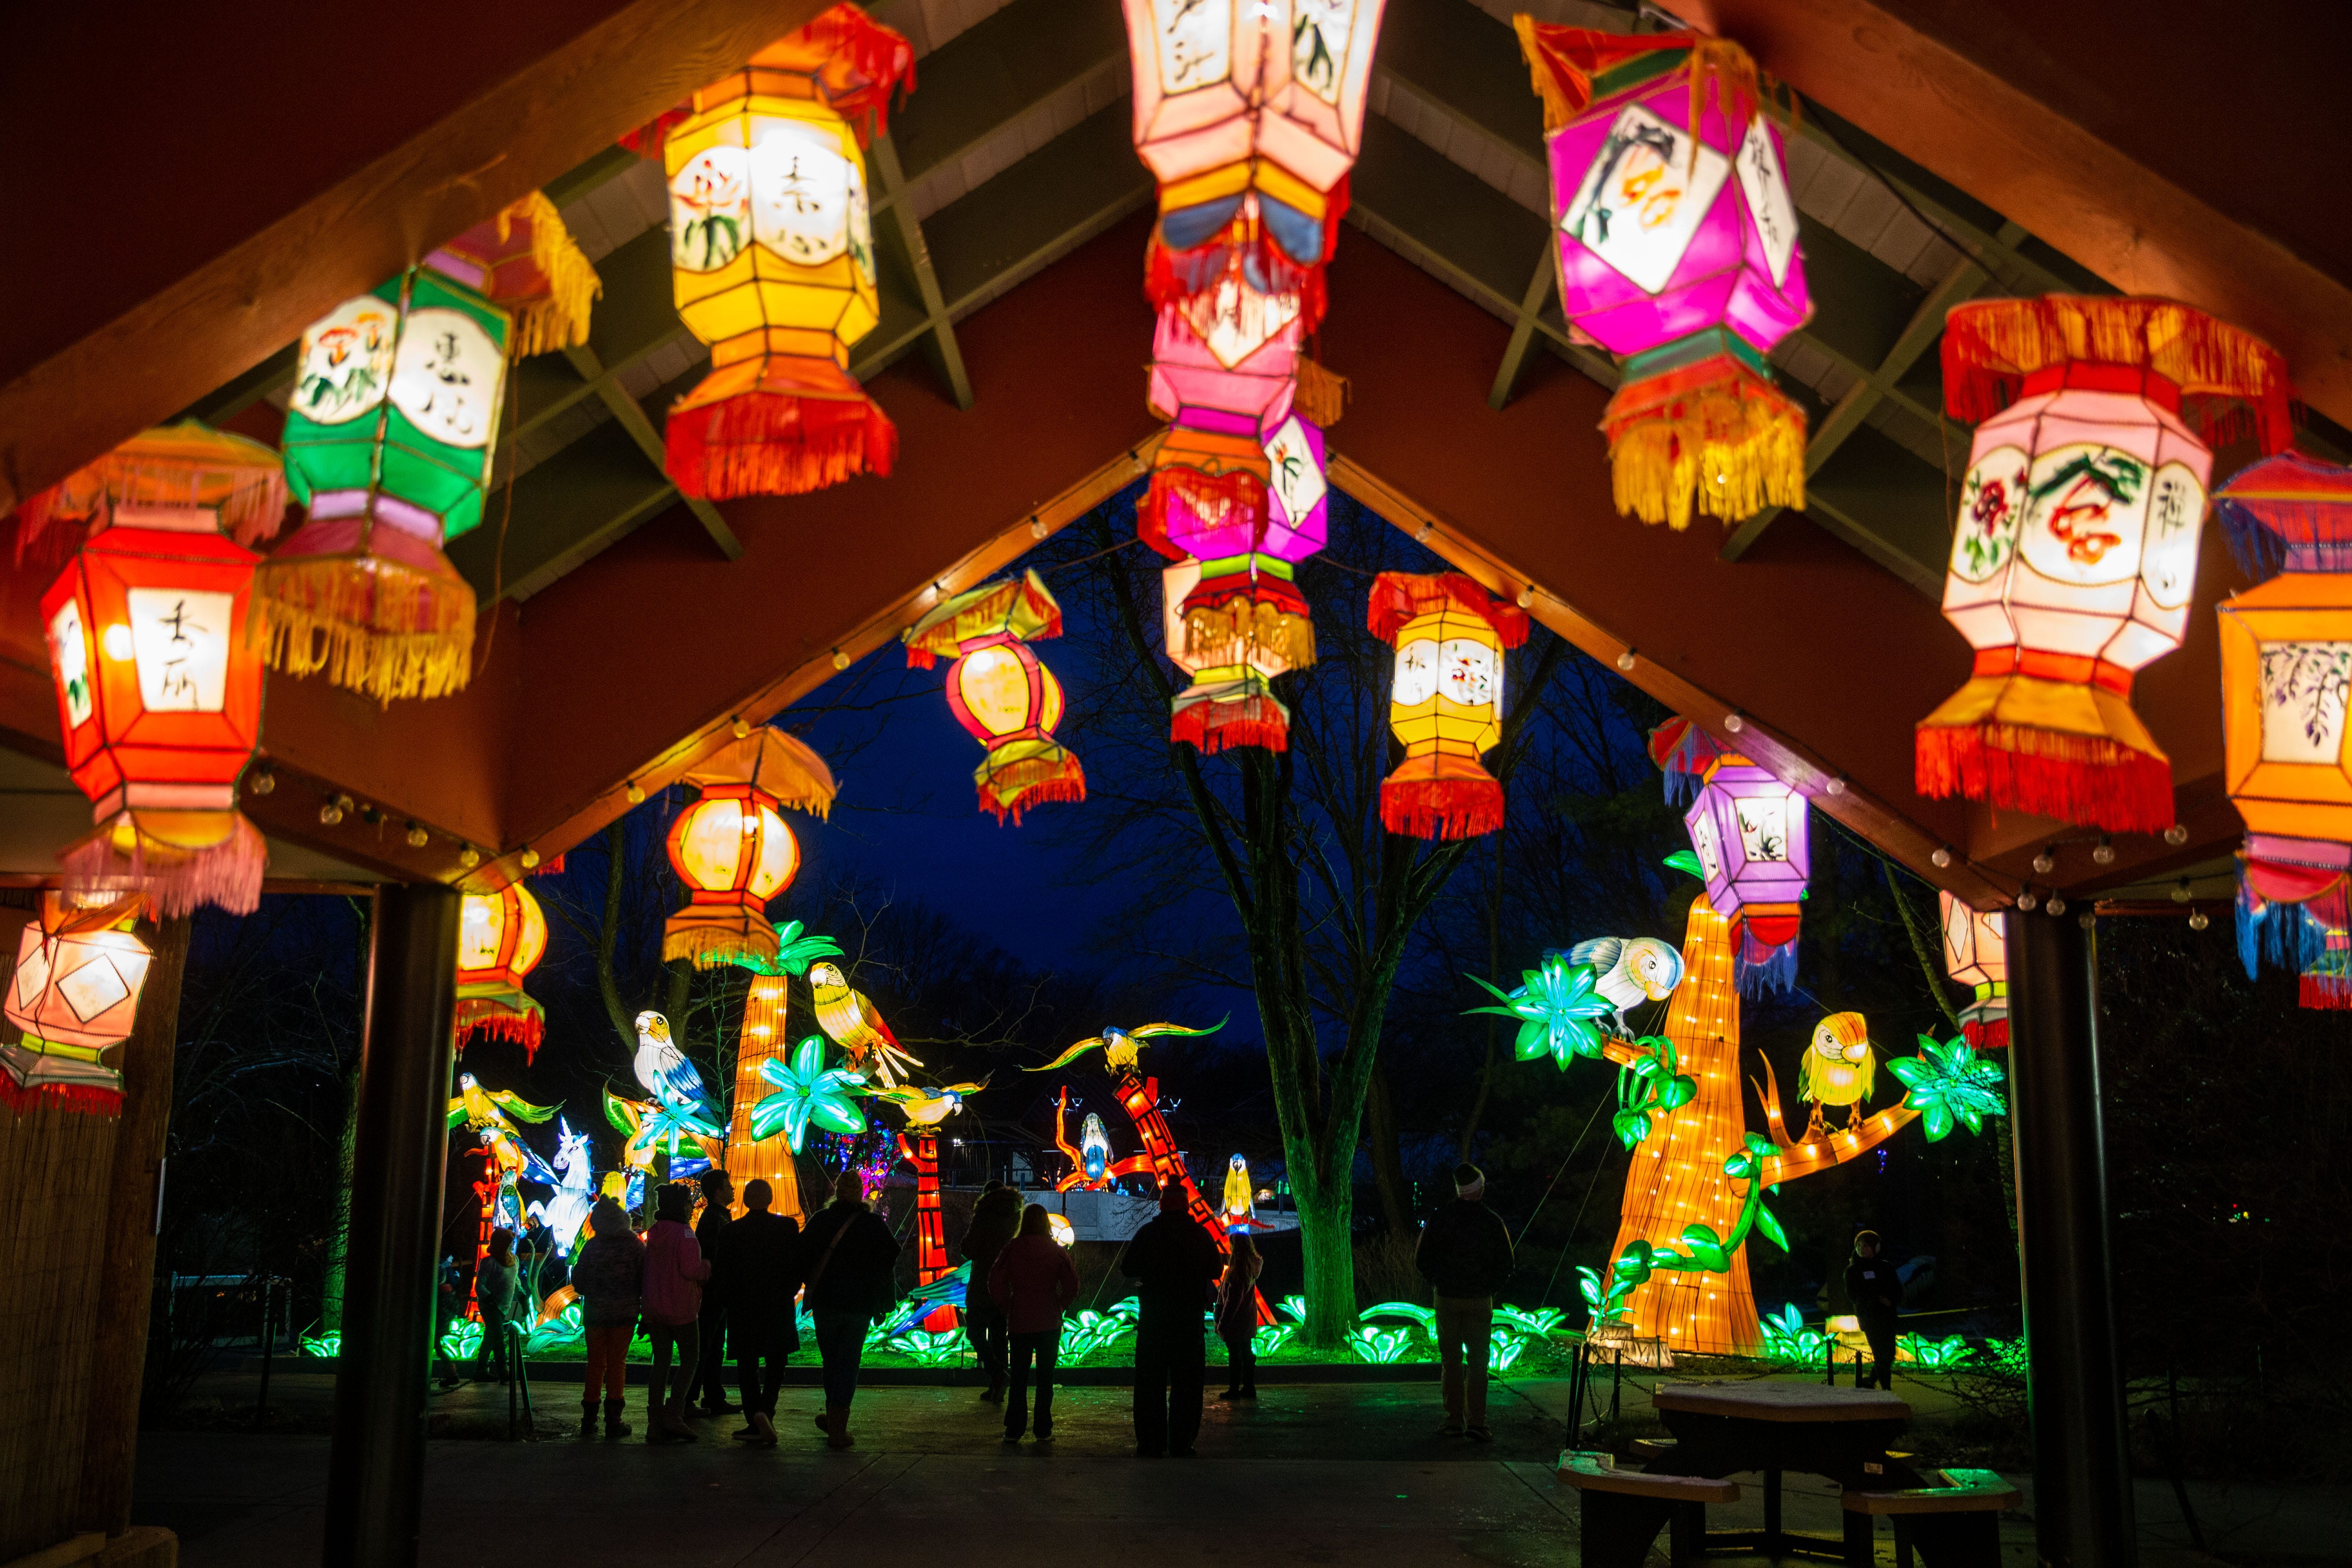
pixel 1622 1510
pixel 1955 1525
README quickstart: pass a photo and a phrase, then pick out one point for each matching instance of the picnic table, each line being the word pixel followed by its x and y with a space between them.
pixel 1772 1425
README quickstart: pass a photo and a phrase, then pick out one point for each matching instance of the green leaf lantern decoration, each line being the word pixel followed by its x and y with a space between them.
pixel 1556 1006
pixel 1950 1083
pixel 807 1090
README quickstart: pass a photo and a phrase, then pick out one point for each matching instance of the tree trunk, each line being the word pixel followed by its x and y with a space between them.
pixel 339 1239
pixel 608 984
pixel 1326 1249
pixel 1388 1156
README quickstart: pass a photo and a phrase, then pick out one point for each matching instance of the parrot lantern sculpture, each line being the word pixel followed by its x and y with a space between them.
pixel 1630 971
pixel 849 1021
pixel 1840 1069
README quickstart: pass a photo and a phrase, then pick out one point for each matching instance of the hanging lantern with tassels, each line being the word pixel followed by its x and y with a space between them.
pixel 389 436
pixel 75 994
pixel 501 937
pixel 1249 118
pixel 2286 673
pixel 1446 703
pixel 735 853
pixel 2076 551
pixel 159 694
pixel 1231 699
pixel 772 260
pixel 1976 953
pixel 1002 695
pixel 1677 248
pixel 1752 835
pixel 1225 392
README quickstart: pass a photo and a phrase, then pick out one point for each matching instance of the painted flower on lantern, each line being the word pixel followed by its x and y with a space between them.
pixel 1558 1008
pixel 2075 558
pixel 1950 1083
pixel 807 1091
pixel 1000 693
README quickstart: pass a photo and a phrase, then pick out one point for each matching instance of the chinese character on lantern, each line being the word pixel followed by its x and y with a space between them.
pixel 1000 693
pixel 2287 674
pixel 2075 554
pixel 1446 701
pixel 1678 249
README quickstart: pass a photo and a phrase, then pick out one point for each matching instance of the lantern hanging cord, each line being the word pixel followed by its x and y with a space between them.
pixel 1097 555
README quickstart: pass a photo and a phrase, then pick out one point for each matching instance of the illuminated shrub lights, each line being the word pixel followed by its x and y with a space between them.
pixel 2287 670
pixel 159 690
pixel 2075 556
pixel 1446 704
pixel 772 260
pixel 998 692
pixel 1677 249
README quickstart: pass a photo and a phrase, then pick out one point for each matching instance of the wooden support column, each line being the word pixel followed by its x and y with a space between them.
pixel 126 1280
pixel 2082 1465
pixel 375 1473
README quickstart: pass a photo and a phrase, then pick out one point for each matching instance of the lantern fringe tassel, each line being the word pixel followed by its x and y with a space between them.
pixel 1021 607
pixel 187 463
pixel 1762 967
pixel 1218 718
pixel 1244 619
pixel 177 860
pixel 714 936
pixel 1210 496
pixel 500 1018
pixel 1027 772
pixel 1985 1033
pixel 2307 937
pixel 558 319
pixel 1439 795
pixel 1174 279
pixel 1320 397
pixel 377 626
pixel 2097 781
pixel 787 427
pixel 1715 437
pixel 79 1099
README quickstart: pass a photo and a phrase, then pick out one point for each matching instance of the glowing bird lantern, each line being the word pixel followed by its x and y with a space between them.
pixel 501 937
pixel 2076 551
pixel 1751 834
pixel 159 695
pixel 772 260
pixel 1002 695
pixel 1976 953
pixel 1249 115
pixel 735 853
pixel 75 993
pixel 2286 672
pixel 1678 251
pixel 1446 705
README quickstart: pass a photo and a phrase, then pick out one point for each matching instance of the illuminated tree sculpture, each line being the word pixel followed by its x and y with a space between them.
pixel 752 1154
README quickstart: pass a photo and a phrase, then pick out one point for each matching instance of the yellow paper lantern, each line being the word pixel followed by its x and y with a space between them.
pixel 1446 705
pixel 501 937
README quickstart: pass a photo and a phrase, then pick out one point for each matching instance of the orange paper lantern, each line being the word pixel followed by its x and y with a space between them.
pixel 501 937
pixel 1447 702
pixel 735 853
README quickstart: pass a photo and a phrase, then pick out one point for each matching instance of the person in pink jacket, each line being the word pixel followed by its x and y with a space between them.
pixel 674 1270
pixel 1034 1280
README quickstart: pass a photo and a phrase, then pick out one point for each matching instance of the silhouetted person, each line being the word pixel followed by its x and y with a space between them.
pixel 1174 1261
pixel 1237 1318
pixel 1032 1282
pixel 494 1294
pixel 994 1219
pixel 759 1260
pixel 1466 1255
pixel 674 1270
pixel 450 1305
pixel 608 1270
pixel 709 1385
pixel 851 1260
pixel 1875 1291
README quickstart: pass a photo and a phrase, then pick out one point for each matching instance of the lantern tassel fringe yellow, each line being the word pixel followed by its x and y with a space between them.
pixel 1321 396
pixel 177 860
pixel 379 627
pixel 714 937
pixel 1716 438
pixel 1441 796
pixel 560 318
pixel 187 463
pixel 1027 772
pixel 1242 621
pixel 1020 605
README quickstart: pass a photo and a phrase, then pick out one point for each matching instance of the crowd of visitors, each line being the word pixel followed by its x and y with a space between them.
pixel 701 1287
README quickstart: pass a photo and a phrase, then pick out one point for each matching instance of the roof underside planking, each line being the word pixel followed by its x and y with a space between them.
pixel 654 625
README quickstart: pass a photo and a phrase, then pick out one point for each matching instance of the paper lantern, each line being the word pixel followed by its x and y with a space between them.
pixel 388 441
pixel 1677 248
pixel 1249 117
pixel 734 852
pixel 75 994
pixel 1976 953
pixel 998 692
pixel 1752 835
pixel 772 260
pixel 524 260
pixel 2075 556
pixel 1225 393
pixel 1231 701
pixel 1446 704
pixel 159 693
pixel 1246 598
pixel 2287 670
pixel 501 937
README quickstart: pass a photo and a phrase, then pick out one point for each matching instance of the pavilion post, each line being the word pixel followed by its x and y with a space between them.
pixel 2081 1461
pixel 376 1469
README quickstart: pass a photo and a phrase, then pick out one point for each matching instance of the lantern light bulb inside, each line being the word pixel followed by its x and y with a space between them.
pixel 1734 722
pixel 1625 661
pixel 417 836
pixel 117 641
pixel 469 857
pixel 530 858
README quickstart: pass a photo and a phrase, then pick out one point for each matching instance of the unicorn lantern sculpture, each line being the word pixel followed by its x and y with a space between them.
pixel 567 1211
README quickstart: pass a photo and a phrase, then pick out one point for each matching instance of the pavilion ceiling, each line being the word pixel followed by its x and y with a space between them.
pixel 640 642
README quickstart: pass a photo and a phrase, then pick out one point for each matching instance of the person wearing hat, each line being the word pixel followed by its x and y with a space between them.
pixel 1875 1292
pixel 1466 1255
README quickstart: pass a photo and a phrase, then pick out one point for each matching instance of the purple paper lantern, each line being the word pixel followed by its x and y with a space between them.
pixel 1751 834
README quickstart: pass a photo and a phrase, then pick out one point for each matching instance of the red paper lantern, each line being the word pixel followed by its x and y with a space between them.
pixel 501 937
pixel 735 853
